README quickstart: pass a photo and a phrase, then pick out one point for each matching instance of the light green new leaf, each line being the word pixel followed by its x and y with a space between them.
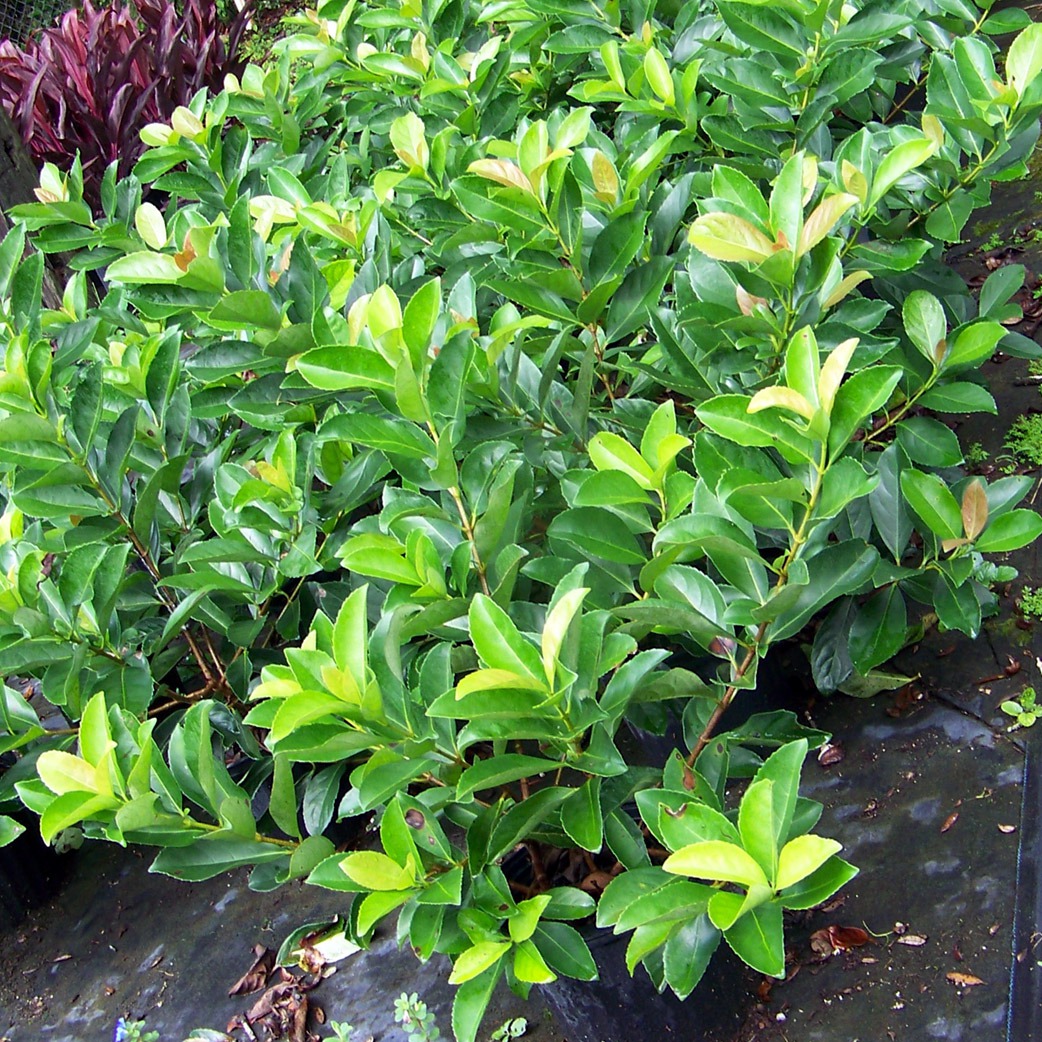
pixel 900 161
pixel 555 629
pixel 718 861
pixel 802 856
pixel 499 643
pixel 611 452
pixel 1024 59
pixel 477 959
pixel 10 830
pixel 376 871
pixel 725 237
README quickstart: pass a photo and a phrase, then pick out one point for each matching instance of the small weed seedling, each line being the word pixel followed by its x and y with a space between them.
pixel 415 1018
pixel 342 1030
pixel 514 1028
pixel 1030 602
pixel 1023 709
pixel 133 1031
pixel 976 454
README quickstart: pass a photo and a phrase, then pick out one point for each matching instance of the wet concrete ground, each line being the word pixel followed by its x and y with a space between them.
pixel 120 942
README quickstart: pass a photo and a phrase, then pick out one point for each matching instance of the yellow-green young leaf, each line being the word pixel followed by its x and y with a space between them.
pixel 52 185
pixel 833 371
pixel 10 830
pixel 667 451
pixel 725 908
pixel 282 210
pixel 556 627
pixel 525 919
pixel 613 63
pixel 574 128
pixel 810 177
pixel 854 181
pixel 376 905
pixel 610 452
pixel 384 184
pixel 501 171
pixel 418 49
pixel 533 148
pixel 530 966
pixel 781 398
pixel 150 226
pixel 349 637
pixel 62 772
pixel 1024 59
pixel 497 680
pixel 898 162
pixel 726 237
pixel 409 141
pixel 185 122
pixel 383 312
pixel 823 219
pixel 802 364
pixel 71 808
pixel 717 861
pixel 605 179
pixel 934 130
pixel 155 135
pixel 662 424
pixel 376 871
pixel 95 734
pixel 658 75
pixel 974 509
pixel 855 278
pixel 477 959
pixel 801 856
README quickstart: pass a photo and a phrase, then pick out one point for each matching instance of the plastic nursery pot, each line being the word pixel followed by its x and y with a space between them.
pixel 619 1008
pixel 30 874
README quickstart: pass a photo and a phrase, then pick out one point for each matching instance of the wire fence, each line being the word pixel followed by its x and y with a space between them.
pixel 18 18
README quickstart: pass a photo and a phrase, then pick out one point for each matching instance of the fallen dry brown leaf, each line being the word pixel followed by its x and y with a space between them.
pixel 256 977
pixel 833 939
pixel 964 980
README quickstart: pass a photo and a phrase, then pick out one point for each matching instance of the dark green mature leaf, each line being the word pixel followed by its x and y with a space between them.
pixel 839 569
pixel 213 854
pixel 565 951
pixel 500 770
pixel 878 629
pixel 758 939
pixel 687 954
pixel 599 533
pixel 1010 532
pixel 930 498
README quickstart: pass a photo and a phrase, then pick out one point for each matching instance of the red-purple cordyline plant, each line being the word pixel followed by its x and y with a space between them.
pixel 90 83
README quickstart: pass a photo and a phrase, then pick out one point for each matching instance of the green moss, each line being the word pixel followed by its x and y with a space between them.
pixel 1024 440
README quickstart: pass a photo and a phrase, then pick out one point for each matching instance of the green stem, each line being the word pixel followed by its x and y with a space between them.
pixel 753 650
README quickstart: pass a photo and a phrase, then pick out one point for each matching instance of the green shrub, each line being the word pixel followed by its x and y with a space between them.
pixel 493 378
